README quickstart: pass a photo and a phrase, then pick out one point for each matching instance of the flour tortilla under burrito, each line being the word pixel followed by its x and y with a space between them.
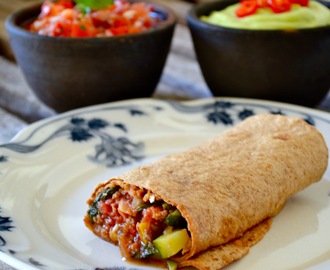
pixel 229 187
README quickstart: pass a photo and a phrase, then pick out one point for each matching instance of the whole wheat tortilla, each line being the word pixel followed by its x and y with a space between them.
pixel 229 187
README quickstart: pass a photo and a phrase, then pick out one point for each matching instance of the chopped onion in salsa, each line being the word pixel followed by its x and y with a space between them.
pixel 65 18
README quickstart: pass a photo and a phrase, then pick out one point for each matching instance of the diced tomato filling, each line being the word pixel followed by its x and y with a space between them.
pixel 64 19
pixel 130 222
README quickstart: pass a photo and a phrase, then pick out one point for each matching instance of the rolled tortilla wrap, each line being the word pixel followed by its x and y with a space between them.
pixel 226 189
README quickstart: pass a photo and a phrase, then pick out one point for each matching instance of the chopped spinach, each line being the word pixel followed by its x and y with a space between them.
pixel 106 194
pixel 143 206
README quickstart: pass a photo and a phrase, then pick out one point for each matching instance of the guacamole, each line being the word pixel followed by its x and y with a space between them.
pixel 313 15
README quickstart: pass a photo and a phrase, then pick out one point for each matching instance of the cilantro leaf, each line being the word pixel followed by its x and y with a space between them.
pixel 93 4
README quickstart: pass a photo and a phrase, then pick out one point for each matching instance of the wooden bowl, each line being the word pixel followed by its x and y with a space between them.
pixel 67 73
pixel 288 66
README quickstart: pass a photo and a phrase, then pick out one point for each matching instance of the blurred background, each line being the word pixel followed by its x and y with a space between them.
pixel 181 80
pixel 8 6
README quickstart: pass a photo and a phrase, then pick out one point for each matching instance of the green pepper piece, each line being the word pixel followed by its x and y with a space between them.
pixel 166 206
pixel 176 220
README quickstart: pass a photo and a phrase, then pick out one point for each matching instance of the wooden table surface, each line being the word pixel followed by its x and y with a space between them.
pixel 19 107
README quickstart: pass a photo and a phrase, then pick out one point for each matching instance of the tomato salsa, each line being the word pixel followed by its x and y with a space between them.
pixel 67 18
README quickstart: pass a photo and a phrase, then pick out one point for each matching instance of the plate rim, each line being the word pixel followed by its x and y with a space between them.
pixel 169 101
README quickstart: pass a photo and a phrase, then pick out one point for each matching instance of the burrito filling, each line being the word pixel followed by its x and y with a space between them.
pixel 142 225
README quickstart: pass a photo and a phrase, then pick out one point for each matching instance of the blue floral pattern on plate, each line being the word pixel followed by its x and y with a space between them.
pixel 114 137
pixel 115 151
pixel 5 225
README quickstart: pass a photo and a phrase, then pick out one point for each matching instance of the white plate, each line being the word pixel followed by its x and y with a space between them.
pixel 49 170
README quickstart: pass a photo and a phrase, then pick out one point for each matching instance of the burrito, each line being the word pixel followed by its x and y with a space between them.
pixel 207 206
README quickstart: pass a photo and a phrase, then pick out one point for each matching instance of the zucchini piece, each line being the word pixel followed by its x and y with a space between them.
pixel 172 265
pixel 170 244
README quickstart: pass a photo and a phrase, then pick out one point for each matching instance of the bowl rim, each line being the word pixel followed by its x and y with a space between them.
pixel 192 18
pixel 12 26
